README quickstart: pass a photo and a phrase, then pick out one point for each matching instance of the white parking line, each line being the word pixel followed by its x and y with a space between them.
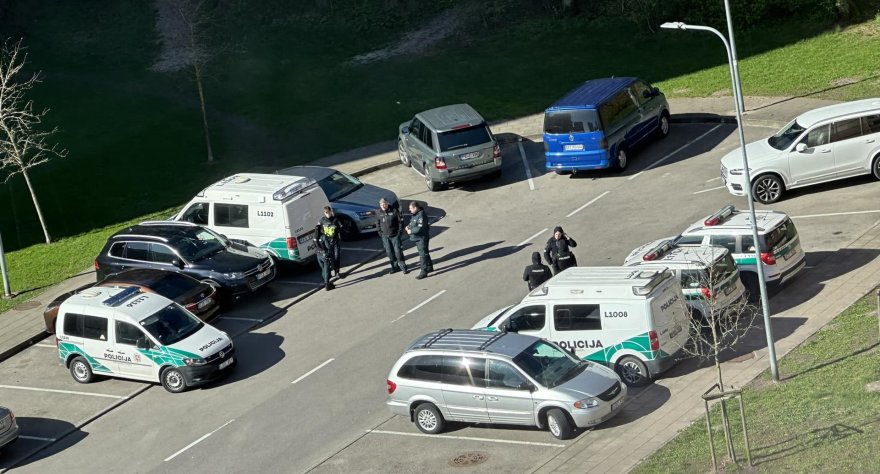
pixel 241 319
pixel 360 249
pixel 313 370
pixel 48 346
pixel 837 214
pixel 710 189
pixel 37 438
pixel 467 438
pixel 717 178
pixel 522 154
pixel 661 160
pixel 197 441
pixel 532 237
pixel 423 303
pixel 587 204
pixel 69 392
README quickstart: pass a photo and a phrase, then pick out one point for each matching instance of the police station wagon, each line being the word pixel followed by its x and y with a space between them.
pixel 123 332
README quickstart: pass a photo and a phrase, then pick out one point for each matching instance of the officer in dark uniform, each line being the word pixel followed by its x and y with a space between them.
pixel 331 228
pixel 419 230
pixel 390 229
pixel 558 251
pixel 536 273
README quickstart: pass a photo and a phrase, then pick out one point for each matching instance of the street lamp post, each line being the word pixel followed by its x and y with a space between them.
pixel 737 98
pixel 7 291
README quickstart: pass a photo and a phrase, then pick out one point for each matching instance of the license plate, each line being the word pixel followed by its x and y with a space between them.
pixel 226 364
pixel 264 274
pixel 204 303
pixel 616 405
pixel 728 290
pixel 468 156
pixel 578 147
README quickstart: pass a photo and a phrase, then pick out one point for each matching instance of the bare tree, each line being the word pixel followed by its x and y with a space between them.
pixel 183 27
pixel 22 145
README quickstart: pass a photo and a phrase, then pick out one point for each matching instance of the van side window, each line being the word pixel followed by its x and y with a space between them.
pixel 530 318
pixel 197 213
pixel 503 375
pixel 689 240
pixel 464 371
pixel 422 368
pixel 727 241
pixel 73 325
pixel 617 110
pixel 94 327
pixel 231 215
pixel 161 253
pixel 429 138
pixel 577 317
pixel 846 129
pixel 117 250
pixel 818 136
pixel 642 92
pixel 870 124
pixel 137 251
pixel 127 333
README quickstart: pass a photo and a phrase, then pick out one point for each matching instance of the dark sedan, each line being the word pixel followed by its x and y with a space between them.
pixel 197 297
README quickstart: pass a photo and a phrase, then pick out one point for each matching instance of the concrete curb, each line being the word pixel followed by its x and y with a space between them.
pixel 23 345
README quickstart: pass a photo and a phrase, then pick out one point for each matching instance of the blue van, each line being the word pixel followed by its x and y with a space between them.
pixel 595 125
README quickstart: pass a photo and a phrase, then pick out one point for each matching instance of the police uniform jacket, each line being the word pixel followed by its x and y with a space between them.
pixel 419 226
pixel 389 222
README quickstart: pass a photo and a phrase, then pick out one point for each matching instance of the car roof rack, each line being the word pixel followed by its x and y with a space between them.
pixel 460 339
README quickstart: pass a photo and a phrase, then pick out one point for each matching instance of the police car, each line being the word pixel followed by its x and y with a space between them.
pixel 781 254
pixel 708 275
pixel 123 332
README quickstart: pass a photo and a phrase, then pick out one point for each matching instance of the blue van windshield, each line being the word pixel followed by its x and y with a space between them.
pixel 571 121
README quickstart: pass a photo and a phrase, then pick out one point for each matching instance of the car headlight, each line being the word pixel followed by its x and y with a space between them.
pixel 736 171
pixel 194 362
pixel 588 402
pixel 365 214
pixel 234 275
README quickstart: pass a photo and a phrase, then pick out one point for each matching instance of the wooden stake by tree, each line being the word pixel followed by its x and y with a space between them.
pixel 22 145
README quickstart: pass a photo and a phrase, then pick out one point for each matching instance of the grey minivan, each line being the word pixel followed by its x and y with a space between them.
pixel 500 377
pixel 449 144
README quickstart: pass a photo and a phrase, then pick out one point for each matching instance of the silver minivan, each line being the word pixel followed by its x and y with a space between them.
pixel 448 144
pixel 500 377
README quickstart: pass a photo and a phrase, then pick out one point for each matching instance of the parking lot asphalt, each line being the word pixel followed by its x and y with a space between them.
pixel 308 393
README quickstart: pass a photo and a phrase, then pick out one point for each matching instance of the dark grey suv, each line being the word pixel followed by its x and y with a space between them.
pixel 449 144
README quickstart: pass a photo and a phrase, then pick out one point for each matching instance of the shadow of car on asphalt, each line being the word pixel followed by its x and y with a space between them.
pixel 27 450
pixel 263 351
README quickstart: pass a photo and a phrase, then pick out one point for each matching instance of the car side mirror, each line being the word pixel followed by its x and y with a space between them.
pixel 526 385
pixel 404 130
pixel 177 263
pixel 800 147
pixel 142 343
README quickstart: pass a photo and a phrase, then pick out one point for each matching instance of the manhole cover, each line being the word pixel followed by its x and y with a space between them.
pixel 28 305
pixel 469 459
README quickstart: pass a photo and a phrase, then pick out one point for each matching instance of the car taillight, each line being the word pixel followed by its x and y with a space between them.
pixel 707 293
pixel 655 341
pixel 439 163
pixel 97 267
pixel 496 153
pixel 391 386
pixel 768 258
pixel 191 307
pixel 603 144
pixel 291 243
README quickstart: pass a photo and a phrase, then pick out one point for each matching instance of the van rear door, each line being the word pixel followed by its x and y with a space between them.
pixel 572 131
pixel 669 316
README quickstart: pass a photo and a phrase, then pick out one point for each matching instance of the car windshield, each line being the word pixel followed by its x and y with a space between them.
pixel 202 244
pixel 548 364
pixel 338 185
pixel 171 324
pixel 499 316
pixel 780 236
pixel 173 285
pixel 723 268
pixel 785 137
pixel 464 138
pixel 571 121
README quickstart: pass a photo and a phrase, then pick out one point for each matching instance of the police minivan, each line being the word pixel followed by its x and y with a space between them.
pixel 630 319
pixel 275 212
pixel 123 332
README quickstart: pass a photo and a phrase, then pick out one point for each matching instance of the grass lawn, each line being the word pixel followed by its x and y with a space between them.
pixel 820 418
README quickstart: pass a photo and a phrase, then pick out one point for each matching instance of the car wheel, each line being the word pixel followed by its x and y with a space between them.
pixel 876 167
pixel 559 424
pixel 348 230
pixel 431 184
pixel 173 380
pixel 633 371
pixel 767 189
pixel 663 127
pixel 429 419
pixel 81 370
pixel 621 161
pixel 401 150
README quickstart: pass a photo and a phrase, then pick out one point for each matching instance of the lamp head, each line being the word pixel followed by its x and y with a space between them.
pixel 674 25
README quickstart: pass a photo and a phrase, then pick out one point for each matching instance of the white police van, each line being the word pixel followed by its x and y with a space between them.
pixel 123 332
pixel 708 276
pixel 630 319
pixel 275 212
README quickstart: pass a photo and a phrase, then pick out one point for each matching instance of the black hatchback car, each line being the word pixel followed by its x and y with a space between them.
pixel 191 249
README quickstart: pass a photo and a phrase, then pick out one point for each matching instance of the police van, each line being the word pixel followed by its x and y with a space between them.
pixel 123 332
pixel 630 319
pixel 780 245
pixel 708 276
pixel 277 213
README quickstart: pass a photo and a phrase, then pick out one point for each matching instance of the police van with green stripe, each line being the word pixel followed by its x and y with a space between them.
pixel 778 242
pixel 630 319
pixel 123 332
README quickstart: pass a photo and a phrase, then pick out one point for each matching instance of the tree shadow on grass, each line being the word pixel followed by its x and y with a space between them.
pixel 815 438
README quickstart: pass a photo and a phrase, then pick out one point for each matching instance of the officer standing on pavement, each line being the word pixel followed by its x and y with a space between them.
pixel 322 248
pixel 558 252
pixel 419 232
pixel 390 228
pixel 330 227
pixel 536 273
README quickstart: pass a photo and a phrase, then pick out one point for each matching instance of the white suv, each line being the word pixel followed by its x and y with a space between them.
pixel 826 144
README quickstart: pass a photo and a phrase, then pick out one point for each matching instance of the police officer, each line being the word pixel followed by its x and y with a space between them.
pixel 331 228
pixel 323 250
pixel 419 230
pixel 391 231
pixel 536 273
pixel 558 251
